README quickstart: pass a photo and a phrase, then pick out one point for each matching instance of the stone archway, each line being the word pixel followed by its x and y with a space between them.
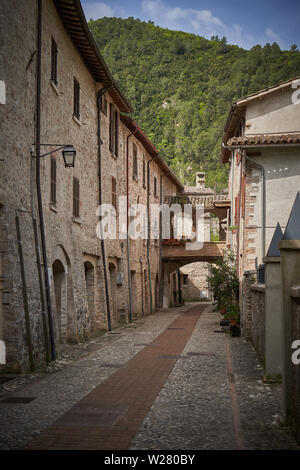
pixel 60 291
pixel 66 328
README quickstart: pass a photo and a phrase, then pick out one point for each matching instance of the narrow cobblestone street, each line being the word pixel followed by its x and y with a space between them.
pixel 170 381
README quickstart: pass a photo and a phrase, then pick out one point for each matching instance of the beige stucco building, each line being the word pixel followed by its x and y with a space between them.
pixel 261 141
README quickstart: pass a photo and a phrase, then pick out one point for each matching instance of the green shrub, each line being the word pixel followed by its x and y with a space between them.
pixel 224 283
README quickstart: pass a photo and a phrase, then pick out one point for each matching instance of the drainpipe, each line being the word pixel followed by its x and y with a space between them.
pixel 38 263
pixel 149 230
pixel 99 95
pixel 38 181
pixel 161 285
pixel 127 225
pixel 179 287
pixel 263 211
pixel 161 280
pixel 142 286
pixel 24 291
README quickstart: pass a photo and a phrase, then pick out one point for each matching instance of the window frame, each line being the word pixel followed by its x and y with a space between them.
pixel 76 198
pixel 144 172
pixel 155 192
pixel 134 162
pixel 103 104
pixel 54 62
pixel 76 99
pixel 114 192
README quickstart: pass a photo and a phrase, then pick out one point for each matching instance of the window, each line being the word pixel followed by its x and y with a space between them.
pixel 54 61
pixel 116 132
pixel 134 162
pixel 155 186
pixel 76 99
pixel 185 279
pixel 53 181
pixel 76 197
pixel 114 192
pixel 144 173
pixel 103 105
pixel 111 126
pixel 113 130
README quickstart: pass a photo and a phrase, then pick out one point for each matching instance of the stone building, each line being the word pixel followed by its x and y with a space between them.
pixel 262 143
pixel 58 280
pixel 194 275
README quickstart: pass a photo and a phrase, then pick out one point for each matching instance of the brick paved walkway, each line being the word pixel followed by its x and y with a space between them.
pixel 110 416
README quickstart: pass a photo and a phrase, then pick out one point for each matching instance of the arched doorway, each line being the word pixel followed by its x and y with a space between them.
pixel 90 287
pixel 60 291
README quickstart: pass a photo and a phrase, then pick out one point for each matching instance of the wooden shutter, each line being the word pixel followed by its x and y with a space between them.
pixel 76 99
pixel 114 192
pixel 155 186
pixel 54 61
pixel 53 181
pixel 103 105
pixel 134 162
pixel 111 127
pixel 116 136
pixel 144 172
pixel 75 197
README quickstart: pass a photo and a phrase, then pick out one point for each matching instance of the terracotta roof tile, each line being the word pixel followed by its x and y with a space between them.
pixel 265 139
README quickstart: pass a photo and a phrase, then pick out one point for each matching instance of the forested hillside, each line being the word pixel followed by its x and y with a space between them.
pixel 182 85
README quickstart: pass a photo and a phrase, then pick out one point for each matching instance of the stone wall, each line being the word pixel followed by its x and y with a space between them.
pixel 295 388
pixel 253 313
pixel 74 254
pixel 194 281
pixel 258 319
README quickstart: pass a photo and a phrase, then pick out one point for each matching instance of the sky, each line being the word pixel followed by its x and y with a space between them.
pixel 245 23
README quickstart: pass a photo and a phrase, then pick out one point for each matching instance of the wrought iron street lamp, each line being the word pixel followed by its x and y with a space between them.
pixel 68 152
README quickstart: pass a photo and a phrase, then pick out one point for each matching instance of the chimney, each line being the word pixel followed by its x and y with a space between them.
pixel 200 179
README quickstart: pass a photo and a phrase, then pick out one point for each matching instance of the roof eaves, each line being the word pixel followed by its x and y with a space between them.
pixel 74 21
pixel 151 149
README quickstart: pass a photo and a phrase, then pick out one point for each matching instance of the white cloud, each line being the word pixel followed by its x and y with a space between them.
pixel 201 22
pixel 271 35
pixel 97 10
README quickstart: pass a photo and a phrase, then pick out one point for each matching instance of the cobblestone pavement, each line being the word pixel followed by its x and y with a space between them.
pixel 205 392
